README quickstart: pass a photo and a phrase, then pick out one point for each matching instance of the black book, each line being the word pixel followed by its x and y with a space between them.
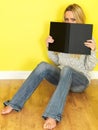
pixel 70 38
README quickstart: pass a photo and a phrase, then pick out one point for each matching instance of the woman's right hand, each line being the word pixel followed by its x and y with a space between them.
pixel 49 40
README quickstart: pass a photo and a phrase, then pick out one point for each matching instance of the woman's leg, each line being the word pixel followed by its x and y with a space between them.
pixel 56 104
pixel 79 83
pixel 43 70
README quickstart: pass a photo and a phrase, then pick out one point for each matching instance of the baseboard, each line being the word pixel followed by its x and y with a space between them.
pixel 94 74
pixel 14 74
pixel 25 74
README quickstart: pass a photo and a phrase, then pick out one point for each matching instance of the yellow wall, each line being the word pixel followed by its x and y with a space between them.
pixel 24 26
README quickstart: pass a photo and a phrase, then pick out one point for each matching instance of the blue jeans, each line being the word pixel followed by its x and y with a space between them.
pixel 65 80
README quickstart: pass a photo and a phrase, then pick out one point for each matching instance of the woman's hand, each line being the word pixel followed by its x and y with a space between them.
pixel 90 44
pixel 49 40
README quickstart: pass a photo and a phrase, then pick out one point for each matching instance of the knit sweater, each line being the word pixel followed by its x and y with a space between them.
pixel 82 63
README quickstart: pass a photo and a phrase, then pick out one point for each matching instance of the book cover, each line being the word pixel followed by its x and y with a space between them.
pixel 70 38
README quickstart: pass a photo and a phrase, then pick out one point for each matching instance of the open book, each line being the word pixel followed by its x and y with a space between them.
pixel 70 38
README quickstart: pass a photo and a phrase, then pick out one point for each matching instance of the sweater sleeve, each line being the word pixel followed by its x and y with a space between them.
pixel 53 56
pixel 91 61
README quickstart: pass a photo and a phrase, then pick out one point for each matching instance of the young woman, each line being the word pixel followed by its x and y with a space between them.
pixel 70 74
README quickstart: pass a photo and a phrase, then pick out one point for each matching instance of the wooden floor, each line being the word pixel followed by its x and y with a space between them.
pixel 80 113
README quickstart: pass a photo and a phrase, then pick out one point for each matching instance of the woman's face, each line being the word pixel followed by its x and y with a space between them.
pixel 69 18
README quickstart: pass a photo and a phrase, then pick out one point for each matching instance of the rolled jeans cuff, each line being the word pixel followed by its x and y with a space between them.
pixel 16 108
pixel 57 117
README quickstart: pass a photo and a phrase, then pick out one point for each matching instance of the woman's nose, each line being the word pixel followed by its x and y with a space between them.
pixel 69 21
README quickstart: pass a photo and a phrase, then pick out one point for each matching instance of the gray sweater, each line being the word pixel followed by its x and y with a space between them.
pixel 81 63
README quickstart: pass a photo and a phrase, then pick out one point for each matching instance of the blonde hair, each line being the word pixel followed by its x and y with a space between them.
pixel 77 12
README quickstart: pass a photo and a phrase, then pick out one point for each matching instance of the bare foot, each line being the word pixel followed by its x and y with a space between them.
pixel 6 110
pixel 50 124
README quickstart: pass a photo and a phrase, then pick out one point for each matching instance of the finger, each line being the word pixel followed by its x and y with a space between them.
pixel 89 41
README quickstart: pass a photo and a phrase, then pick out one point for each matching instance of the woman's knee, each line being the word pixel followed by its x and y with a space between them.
pixel 78 89
pixel 42 66
pixel 67 69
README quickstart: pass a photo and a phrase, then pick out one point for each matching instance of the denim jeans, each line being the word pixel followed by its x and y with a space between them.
pixel 65 80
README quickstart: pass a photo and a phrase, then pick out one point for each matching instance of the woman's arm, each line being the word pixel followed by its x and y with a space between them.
pixel 91 60
pixel 52 55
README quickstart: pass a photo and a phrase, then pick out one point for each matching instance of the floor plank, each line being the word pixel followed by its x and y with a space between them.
pixel 80 112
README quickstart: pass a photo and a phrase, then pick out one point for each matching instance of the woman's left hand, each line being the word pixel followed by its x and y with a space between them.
pixel 90 44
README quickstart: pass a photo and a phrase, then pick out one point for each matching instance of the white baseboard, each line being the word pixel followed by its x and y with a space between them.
pixel 25 74
pixel 94 75
pixel 14 74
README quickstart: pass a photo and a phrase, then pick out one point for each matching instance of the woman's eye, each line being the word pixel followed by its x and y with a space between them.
pixel 73 19
pixel 66 19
